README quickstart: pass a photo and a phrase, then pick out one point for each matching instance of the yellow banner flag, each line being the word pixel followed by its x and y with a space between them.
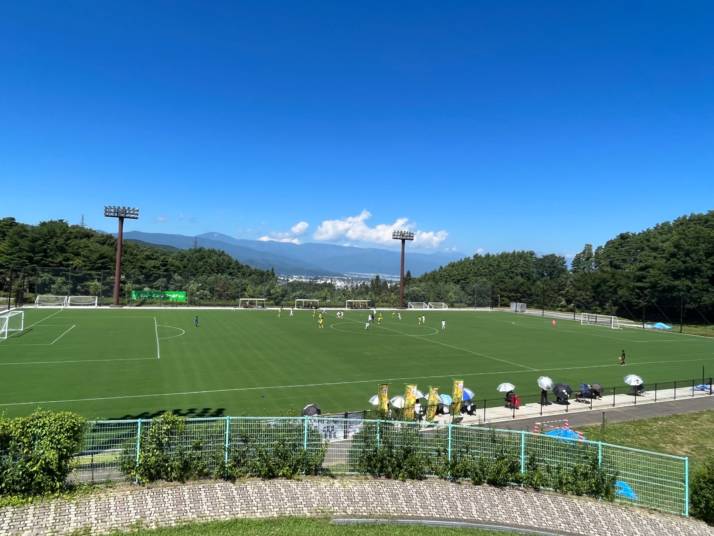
pixel 409 401
pixel 383 393
pixel 457 395
pixel 433 403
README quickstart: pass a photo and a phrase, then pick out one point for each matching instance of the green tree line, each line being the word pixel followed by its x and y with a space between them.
pixel 661 273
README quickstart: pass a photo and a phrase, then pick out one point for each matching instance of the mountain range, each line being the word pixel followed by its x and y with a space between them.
pixel 310 259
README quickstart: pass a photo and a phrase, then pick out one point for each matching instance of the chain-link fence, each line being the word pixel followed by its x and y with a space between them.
pixel 649 479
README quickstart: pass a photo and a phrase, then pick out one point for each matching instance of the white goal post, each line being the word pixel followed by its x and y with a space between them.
pixel 437 305
pixel 417 305
pixel 357 304
pixel 50 300
pixel 82 301
pixel 592 319
pixel 251 303
pixel 11 322
pixel 304 303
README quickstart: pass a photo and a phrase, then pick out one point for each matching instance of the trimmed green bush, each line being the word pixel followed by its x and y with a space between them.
pixel 36 451
pixel 702 492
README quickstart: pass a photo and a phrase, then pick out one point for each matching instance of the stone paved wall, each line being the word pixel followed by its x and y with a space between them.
pixel 165 505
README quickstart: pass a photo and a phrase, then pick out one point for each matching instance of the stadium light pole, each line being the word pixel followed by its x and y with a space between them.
pixel 403 236
pixel 120 213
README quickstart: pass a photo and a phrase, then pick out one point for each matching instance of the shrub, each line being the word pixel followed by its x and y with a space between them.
pixel 702 492
pixel 36 451
pixel 503 470
pixel 397 454
pixel 167 452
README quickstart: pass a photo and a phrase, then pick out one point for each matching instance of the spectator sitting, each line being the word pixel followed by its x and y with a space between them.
pixel 509 399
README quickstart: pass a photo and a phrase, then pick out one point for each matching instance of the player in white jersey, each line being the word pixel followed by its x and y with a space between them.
pixel 443 325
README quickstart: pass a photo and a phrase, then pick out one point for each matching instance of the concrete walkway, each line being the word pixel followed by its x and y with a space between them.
pixel 664 402
pixel 159 506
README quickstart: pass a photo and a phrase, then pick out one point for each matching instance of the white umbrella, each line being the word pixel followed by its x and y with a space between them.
pixel 544 382
pixel 374 400
pixel 419 394
pixel 633 379
pixel 397 402
pixel 505 387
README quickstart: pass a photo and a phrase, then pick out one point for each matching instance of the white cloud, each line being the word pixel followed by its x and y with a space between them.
pixel 356 229
pixel 277 239
pixel 161 219
pixel 290 237
pixel 299 228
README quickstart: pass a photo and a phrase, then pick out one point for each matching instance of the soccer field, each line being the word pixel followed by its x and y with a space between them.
pixel 106 363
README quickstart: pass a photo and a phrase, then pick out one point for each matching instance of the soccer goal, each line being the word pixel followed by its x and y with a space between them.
pixel 304 303
pixel 607 321
pixel 417 305
pixel 357 304
pixel 437 305
pixel 11 322
pixel 251 303
pixel 518 307
pixel 82 301
pixel 50 300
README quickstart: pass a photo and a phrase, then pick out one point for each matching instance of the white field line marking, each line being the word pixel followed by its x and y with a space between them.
pixel 110 360
pixel 156 330
pixel 183 332
pixel 472 352
pixel 327 384
pixel 64 333
pixel 43 319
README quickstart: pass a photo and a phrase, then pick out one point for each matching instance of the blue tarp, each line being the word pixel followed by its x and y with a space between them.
pixel 563 433
pixel 623 489
pixel 659 325
pixel 702 387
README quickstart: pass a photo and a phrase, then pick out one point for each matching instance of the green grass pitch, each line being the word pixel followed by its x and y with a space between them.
pixel 108 363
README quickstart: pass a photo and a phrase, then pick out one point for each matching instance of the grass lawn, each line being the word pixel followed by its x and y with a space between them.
pixel 309 527
pixel 688 434
pixel 108 363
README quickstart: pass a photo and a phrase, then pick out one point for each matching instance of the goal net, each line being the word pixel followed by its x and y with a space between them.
pixel 303 303
pixel 82 301
pixel 437 305
pixel 592 319
pixel 11 322
pixel 251 303
pixel 518 307
pixel 50 300
pixel 417 305
pixel 357 304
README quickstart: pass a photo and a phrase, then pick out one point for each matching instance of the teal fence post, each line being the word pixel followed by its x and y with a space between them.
pixel 686 486
pixel 378 438
pixel 448 451
pixel 599 453
pixel 523 452
pixel 227 440
pixel 304 433
pixel 138 445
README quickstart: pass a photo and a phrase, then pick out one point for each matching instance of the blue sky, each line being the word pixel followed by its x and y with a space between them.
pixel 485 125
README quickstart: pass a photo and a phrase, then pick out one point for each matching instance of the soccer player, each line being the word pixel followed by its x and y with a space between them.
pixel 399 316
pixel 622 357
pixel 423 319
pixel 195 321
pixel 366 325
pixel 379 319
pixel 443 325
pixel 291 311
pixel 321 322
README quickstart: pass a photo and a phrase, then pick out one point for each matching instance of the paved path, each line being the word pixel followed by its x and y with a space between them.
pixel 167 505
pixel 617 414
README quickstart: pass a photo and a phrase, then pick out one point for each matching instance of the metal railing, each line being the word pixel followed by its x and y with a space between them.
pixel 659 481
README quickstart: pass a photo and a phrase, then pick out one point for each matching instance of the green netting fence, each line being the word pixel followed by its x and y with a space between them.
pixel 651 479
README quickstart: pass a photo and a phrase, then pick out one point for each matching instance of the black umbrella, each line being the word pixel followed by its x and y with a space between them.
pixel 311 410
pixel 562 390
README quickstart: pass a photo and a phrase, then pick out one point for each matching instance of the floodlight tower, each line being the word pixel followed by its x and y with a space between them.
pixel 403 236
pixel 120 213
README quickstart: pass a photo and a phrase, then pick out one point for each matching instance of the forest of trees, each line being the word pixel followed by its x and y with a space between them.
pixel 658 273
